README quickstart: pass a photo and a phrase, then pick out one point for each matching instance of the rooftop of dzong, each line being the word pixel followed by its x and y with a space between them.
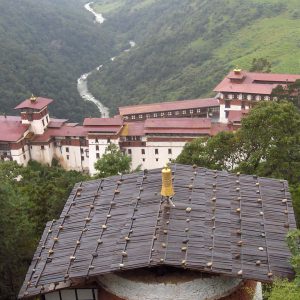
pixel 239 81
pixel 167 106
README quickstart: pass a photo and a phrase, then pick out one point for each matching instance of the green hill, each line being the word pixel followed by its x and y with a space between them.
pixel 45 46
pixel 185 47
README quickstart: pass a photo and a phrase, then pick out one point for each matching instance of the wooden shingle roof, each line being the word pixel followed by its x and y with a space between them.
pixel 222 223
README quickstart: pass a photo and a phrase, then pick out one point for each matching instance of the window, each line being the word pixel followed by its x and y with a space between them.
pixel 108 141
pixel 147 116
pixel 42 147
pixel 97 155
pixel 155 115
pixel 249 97
pixel 156 159
pixel 162 114
pixel 176 113
pixel 23 150
pixel 184 112
pixel 170 159
pixel 243 105
pixel 143 151
pixel 43 122
pixel 169 151
pixel 169 113
pixel 240 96
pixel 126 118
pixel 144 159
pixel 47 119
pixel 140 116
pixel 81 150
pixel 198 110
pixel 267 98
pixel 227 104
pixel 129 151
pixel 67 149
pixel 97 148
pixel 191 111
pixel 96 141
pixel 68 157
pixel 156 151
pixel 226 114
pixel 82 157
pixel 132 117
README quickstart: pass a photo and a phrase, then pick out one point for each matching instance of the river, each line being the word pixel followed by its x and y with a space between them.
pixel 82 85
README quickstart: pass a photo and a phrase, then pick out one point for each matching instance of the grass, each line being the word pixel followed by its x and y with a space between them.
pixel 277 39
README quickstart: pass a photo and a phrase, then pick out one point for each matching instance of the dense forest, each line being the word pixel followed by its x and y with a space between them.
pixel 185 47
pixel 45 46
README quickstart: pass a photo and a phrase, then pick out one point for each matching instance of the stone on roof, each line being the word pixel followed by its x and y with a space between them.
pixel 222 223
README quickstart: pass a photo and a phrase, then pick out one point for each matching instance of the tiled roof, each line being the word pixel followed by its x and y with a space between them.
pixel 11 129
pixel 38 104
pixel 168 106
pixel 224 224
pixel 253 83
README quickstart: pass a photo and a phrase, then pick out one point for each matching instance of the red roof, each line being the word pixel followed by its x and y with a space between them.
pixel 135 128
pixel 56 123
pixel 236 115
pixel 11 129
pixel 254 83
pixel 117 121
pixel 178 126
pixel 218 127
pixel 38 104
pixel 168 106
pixel 178 123
pixel 65 131
pixel 113 130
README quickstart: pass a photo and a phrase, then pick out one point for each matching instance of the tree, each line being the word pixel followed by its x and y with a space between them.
pixel 283 289
pixel 290 92
pixel 112 162
pixel 29 197
pixel 217 153
pixel 267 144
pixel 260 65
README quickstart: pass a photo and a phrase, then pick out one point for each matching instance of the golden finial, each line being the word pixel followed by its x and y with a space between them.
pixel 33 98
pixel 237 70
pixel 167 185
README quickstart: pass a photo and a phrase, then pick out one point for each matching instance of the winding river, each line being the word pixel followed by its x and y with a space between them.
pixel 82 86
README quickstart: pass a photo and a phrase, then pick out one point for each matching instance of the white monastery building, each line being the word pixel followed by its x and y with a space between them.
pixel 152 134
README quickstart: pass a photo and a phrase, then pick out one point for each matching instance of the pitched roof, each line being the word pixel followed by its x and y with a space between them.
pixel 117 121
pixel 253 83
pixel 11 129
pixel 38 104
pixel 183 126
pixel 222 223
pixel 168 106
pixel 64 131
pixel 237 115
pixel 56 123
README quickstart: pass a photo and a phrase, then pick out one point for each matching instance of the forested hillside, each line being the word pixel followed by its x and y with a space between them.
pixel 45 46
pixel 185 47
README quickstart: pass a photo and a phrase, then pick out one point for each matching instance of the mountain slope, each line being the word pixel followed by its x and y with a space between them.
pixel 45 46
pixel 185 47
